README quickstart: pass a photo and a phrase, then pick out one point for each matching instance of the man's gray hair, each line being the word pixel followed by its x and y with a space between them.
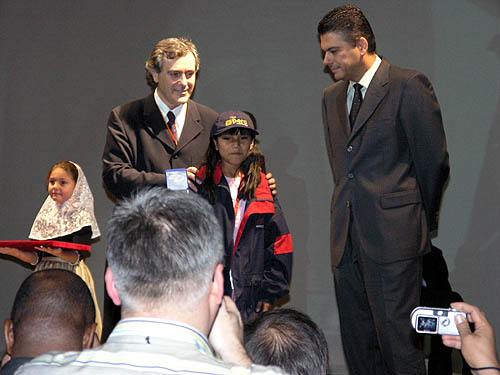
pixel 163 246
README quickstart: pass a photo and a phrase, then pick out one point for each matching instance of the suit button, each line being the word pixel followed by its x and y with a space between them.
pixel 350 176
pixel 349 149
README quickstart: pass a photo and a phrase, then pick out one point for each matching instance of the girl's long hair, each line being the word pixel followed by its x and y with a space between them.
pixel 250 168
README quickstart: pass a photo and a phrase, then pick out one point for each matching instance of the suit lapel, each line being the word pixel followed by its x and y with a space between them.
pixel 155 122
pixel 376 91
pixel 192 125
pixel 342 109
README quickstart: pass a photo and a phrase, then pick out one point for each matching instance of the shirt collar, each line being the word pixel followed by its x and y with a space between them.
pixel 369 74
pixel 160 330
pixel 179 111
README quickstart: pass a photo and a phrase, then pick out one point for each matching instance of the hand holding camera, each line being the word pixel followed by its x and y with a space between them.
pixel 478 346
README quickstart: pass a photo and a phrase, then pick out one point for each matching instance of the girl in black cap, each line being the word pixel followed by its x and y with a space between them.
pixel 258 244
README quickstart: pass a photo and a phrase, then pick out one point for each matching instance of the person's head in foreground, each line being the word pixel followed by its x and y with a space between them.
pixel 53 310
pixel 288 339
pixel 165 255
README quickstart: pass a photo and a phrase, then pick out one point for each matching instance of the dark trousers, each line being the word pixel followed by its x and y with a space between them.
pixel 374 303
pixel 438 293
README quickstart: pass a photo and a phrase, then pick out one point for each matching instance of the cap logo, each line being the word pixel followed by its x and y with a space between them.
pixel 233 120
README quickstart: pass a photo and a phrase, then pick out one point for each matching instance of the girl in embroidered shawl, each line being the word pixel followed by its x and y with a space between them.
pixel 66 215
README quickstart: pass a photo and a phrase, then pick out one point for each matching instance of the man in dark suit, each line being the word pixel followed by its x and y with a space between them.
pixel 387 151
pixel 162 131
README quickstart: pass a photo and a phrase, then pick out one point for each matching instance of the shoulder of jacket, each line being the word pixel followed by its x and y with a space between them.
pixel 399 74
pixel 134 108
pixel 203 109
pixel 333 88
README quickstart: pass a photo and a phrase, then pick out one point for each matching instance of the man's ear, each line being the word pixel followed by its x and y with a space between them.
pixel 111 287
pixel 362 45
pixel 90 339
pixel 154 74
pixel 217 287
pixel 215 144
pixel 8 330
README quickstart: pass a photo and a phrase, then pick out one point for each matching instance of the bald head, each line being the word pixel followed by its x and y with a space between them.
pixel 53 310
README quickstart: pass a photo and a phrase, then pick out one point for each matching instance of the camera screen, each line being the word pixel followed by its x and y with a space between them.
pixel 427 324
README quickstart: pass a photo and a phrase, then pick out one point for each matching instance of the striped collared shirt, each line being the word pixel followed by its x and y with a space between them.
pixel 143 346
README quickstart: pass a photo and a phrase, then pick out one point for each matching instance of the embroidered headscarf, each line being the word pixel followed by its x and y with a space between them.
pixel 56 220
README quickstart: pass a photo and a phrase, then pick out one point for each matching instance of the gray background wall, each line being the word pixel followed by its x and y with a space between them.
pixel 65 65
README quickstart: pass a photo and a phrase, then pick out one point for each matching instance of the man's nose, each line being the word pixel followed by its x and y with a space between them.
pixel 328 58
pixel 183 80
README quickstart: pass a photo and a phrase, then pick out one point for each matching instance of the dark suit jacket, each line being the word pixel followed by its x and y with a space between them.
pixel 389 172
pixel 139 147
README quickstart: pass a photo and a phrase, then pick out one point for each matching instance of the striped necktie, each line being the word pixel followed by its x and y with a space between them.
pixel 172 127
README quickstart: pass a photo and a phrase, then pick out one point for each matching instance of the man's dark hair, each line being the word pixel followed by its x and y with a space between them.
pixel 163 246
pixel 288 339
pixel 350 21
pixel 55 299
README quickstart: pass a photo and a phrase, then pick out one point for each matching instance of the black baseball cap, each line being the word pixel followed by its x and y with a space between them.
pixel 231 120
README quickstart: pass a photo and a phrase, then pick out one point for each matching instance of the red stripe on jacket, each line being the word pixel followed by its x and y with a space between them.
pixel 283 244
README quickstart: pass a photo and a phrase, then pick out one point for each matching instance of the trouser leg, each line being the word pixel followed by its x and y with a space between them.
pixel 359 338
pixel 375 302
pixel 393 291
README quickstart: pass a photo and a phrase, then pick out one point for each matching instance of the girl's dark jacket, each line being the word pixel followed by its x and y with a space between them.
pixel 261 258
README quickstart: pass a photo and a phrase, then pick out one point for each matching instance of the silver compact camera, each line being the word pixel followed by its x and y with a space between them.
pixel 435 320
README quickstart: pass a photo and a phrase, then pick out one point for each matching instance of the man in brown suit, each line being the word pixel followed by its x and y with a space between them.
pixel 387 151
pixel 162 131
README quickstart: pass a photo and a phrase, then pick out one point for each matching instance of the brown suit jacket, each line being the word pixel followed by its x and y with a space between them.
pixel 389 172
pixel 139 147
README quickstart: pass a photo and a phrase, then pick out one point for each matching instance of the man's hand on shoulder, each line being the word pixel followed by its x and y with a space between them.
pixel 192 179
pixel 272 183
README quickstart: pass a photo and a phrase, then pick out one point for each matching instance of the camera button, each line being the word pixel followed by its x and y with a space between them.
pixel 445 322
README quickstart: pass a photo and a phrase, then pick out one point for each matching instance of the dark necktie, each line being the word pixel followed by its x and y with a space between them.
pixel 172 127
pixel 357 100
